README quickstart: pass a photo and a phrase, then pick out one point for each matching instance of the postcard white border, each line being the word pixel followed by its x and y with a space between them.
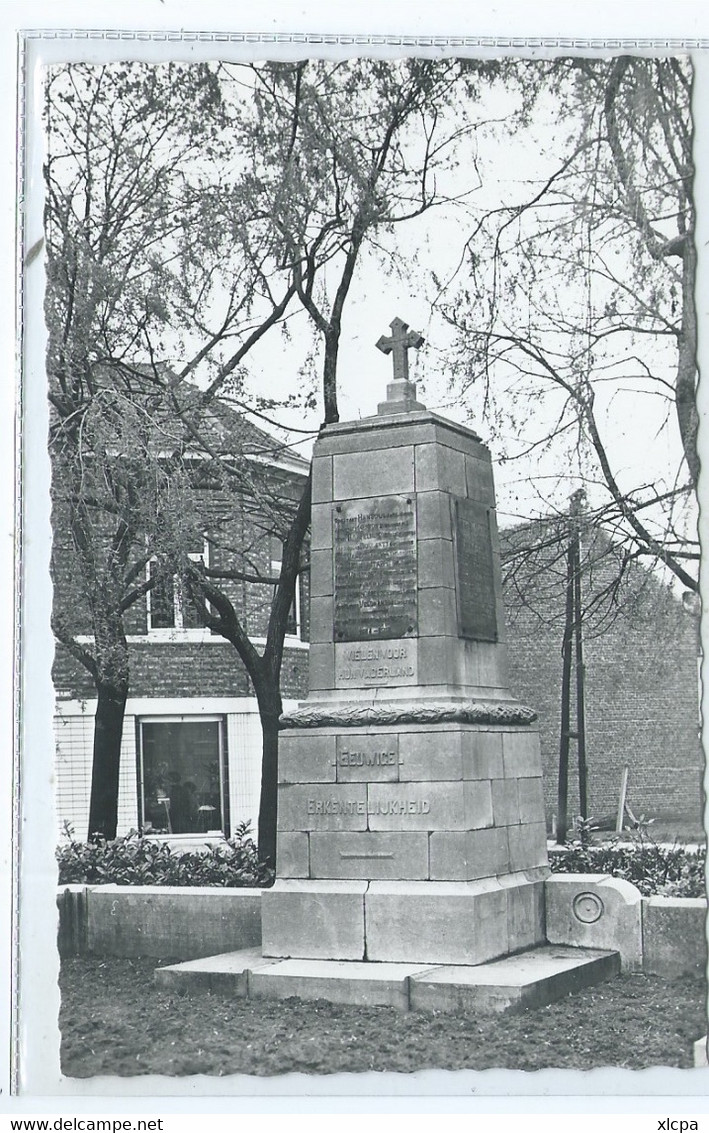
pixel 266 29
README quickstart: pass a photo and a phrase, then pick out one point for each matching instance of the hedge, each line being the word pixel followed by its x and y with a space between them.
pixel 657 871
pixel 134 860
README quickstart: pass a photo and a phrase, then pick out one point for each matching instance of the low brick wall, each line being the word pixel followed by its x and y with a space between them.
pixel 166 922
pixel 163 922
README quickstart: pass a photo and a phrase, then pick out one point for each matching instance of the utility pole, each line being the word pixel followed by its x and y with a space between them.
pixel 572 655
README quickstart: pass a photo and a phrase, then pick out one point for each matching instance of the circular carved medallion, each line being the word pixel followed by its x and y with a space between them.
pixel 587 907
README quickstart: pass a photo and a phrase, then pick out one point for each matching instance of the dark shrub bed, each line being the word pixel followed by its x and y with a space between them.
pixel 657 871
pixel 135 860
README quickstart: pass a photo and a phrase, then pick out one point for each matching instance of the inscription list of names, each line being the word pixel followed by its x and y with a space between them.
pixel 375 569
pixel 477 617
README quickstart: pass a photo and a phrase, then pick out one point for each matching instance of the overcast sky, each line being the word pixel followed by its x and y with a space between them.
pixel 511 164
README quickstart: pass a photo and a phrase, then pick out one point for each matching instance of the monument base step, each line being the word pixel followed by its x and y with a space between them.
pixel 527 979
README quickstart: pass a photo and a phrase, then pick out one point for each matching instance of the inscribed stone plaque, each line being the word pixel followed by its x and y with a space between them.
pixel 375 569
pixel 475 587
pixel 368 664
pixel 371 855
pixel 372 758
pixel 323 806
pixel 415 806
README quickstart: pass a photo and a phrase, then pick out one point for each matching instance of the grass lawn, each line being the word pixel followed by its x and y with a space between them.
pixel 115 1021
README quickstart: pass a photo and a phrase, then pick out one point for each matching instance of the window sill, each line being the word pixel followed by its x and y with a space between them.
pixel 180 636
pixel 188 636
pixel 191 637
pixel 187 842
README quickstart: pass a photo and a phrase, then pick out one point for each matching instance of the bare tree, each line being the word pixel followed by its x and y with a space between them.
pixel 136 246
pixel 191 231
pixel 342 154
pixel 578 305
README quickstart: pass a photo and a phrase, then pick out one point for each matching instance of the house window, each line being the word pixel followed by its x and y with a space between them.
pixel 169 607
pixel 182 776
pixel 293 624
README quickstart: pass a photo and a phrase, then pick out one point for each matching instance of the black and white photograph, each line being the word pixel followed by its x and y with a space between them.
pixel 361 388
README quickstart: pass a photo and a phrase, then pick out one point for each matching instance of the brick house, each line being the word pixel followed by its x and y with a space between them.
pixel 191 746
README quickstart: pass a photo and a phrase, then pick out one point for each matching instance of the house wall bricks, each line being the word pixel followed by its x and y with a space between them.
pixel 196 669
pixel 641 664
pixel 181 667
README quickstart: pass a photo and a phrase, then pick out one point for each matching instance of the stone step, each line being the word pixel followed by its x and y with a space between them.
pixel 359 982
pixel 226 972
pixel 528 979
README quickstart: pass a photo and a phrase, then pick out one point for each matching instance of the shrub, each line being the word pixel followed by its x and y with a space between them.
pixel 134 860
pixel 657 871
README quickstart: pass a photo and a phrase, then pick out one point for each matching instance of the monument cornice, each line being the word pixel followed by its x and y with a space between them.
pixel 398 421
pixel 352 715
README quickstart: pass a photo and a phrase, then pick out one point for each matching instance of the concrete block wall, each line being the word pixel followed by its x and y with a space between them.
pixel 674 936
pixel 664 936
pixel 72 929
pixel 596 911
pixel 158 921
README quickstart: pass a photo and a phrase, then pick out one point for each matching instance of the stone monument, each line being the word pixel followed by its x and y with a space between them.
pixel 412 864
pixel 410 811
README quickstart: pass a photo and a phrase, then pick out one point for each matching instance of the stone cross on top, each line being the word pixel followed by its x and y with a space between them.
pixel 399 343
pixel 401 393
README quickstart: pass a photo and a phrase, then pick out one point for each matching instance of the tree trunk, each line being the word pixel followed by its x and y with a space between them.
pixel 563 795
pixel 108 733
pixel 267 677
pixel 686 383
pixel 268 803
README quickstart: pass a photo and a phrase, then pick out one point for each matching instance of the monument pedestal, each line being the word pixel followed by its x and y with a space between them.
pixel 410 809
pixel 432 922
pixel 412 843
